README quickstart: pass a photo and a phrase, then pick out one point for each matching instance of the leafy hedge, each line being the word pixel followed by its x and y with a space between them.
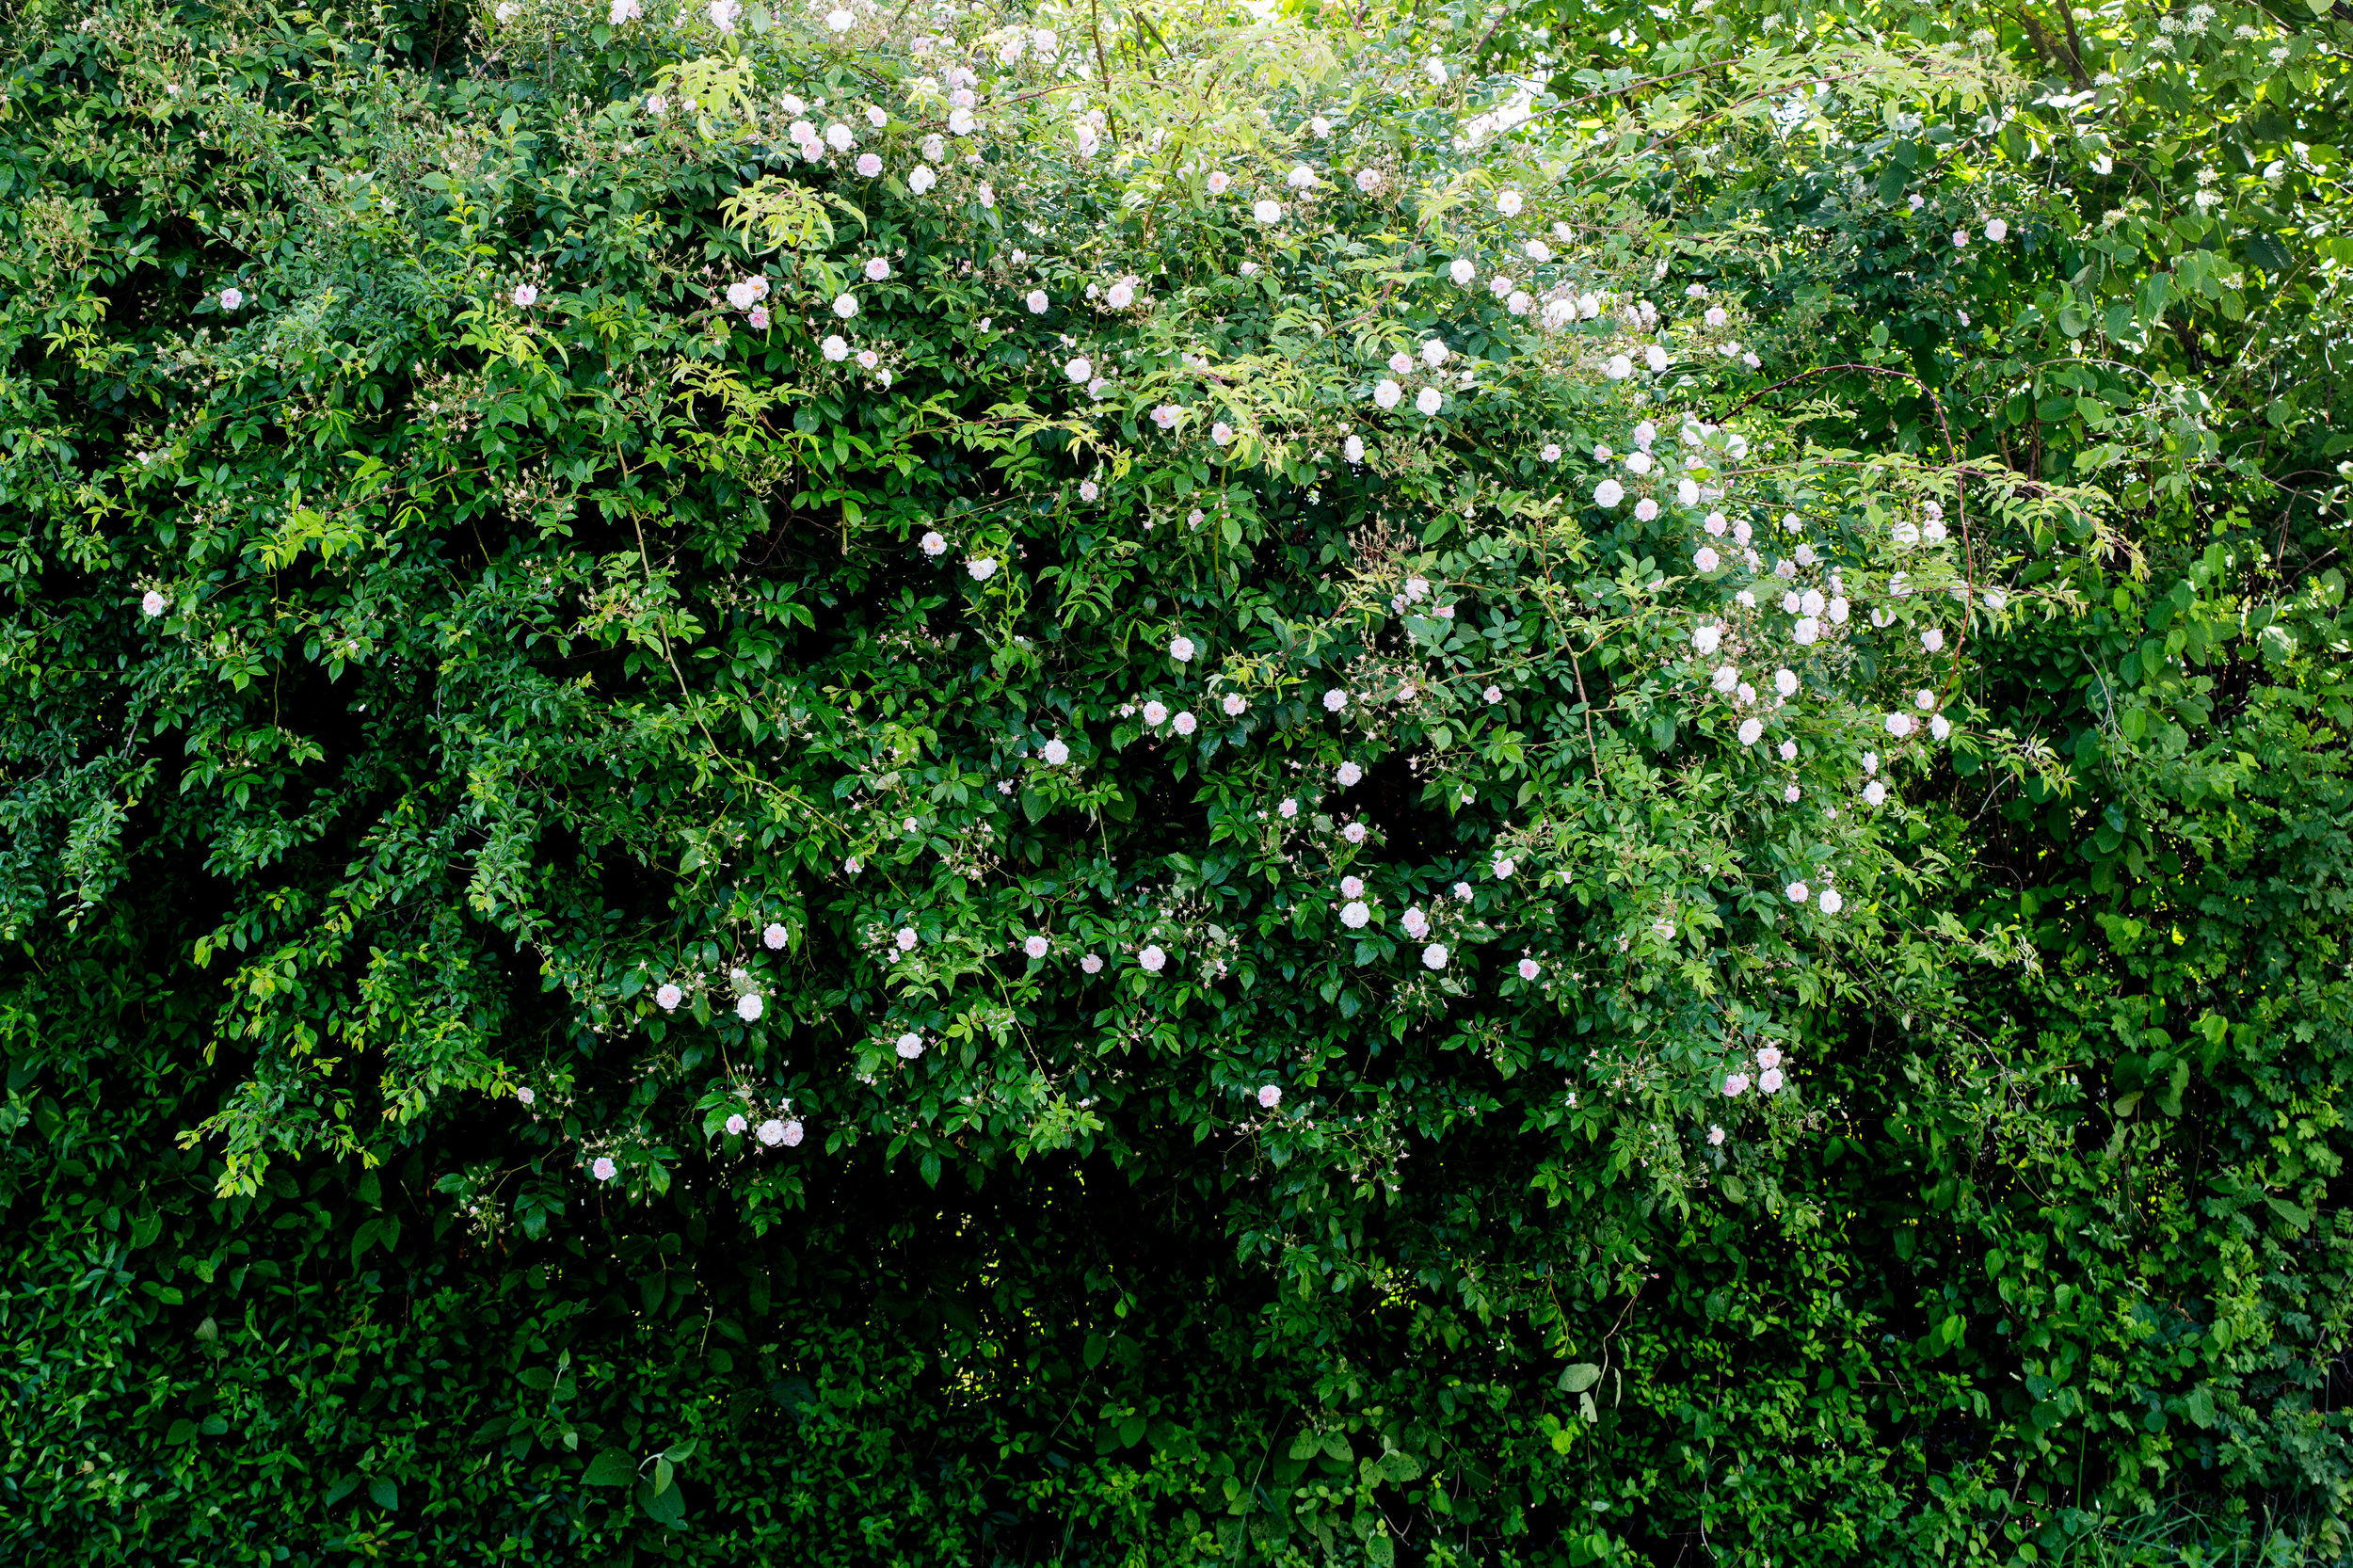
pixel 1107 841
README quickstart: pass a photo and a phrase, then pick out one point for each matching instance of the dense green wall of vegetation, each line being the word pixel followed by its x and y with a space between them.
pixel 711 850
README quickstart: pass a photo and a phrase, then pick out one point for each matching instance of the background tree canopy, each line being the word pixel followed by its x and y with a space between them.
pixel 1123 784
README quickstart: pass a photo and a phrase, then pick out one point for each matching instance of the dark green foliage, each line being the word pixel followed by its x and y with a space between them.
pixel 514 666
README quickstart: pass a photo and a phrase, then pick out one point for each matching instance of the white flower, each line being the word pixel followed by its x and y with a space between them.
pixel 1961 239
pixel 1354 450
pixel 1874 793
pixel 1427 401
pixel 1289 810
pixel 737 1125
pixel 750 1008
pixel 1715 1136
pixel 1940 726
pixel 1334 700
pixel 1998 230
pixel 1537 250
pixel 1725 678
pixel 921 179
pixel 152 604
pixel 1870 761
pixel 1899 724
pixel 1386 392
pixel 1736 1085
pixel 775 934
pixel 1218 181
pixel 932 544
pixel 602 1168
pixel 1155 713
pixel 1299 178
pixel 1352 887
pixel 506 11
pixel 1220 433
pixel 525 296
pixel 1655 358
pixel 1551 453
pixel 909 1045
pixel 1267 210
pixel 982 568
pixel 1348 774
pixel 1609 494
pixel 1509 203
pixel 837 136
pixel 1707 637
pixel 1462 270
pixel 905 939
pixel 1055 752
pixel 1492 696
pixel 1924 699
pixel 1619 367
pixel 669 996
pixel 1354 915
pixel 1416 925
pixel 527 1095
pixel 1645 510
pixel 1434 956
pixel 1436 68
pixel 1504 867
pixel 1529 969
pixel 1152 960
pixel 1037 301
pixel 1089 489
pixel 1368 180
pixel 1235 704
pixel 1078 369
pixel 846 305
pixel 839 19
pixel 876 117
pixel 1353 833
pixel 1932 639
pixel 1037 947
pixel 1462 891
pixel 1270 1096
pixel 1770 1080
pixel 1184 724
pixel 1092 963
pixel 1751 731
pixel 877 268
pixel 623 11
pixel 1120 295
pixel 960 124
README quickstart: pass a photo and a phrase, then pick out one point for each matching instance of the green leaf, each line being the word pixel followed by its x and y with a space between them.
pixel 664 1507
pixel 1578 1376
pixel 611 1468
pixel 384 1493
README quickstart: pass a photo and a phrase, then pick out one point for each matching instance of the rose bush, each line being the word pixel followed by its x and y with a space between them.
pixel 722 633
